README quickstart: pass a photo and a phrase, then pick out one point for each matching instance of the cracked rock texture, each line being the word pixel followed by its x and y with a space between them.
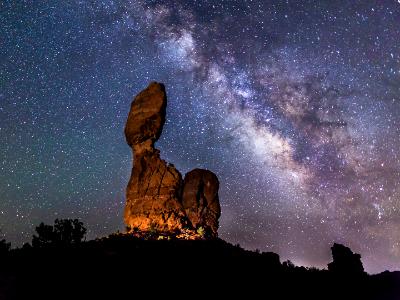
pixel 154 198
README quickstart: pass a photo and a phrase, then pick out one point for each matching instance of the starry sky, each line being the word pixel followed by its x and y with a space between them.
pixel 295 105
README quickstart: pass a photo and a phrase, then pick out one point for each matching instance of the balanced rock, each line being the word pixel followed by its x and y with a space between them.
pixel 200 200
pixel 154 198
pixel 153 192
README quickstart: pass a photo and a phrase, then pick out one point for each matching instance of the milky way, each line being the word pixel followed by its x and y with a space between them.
pixel 295 105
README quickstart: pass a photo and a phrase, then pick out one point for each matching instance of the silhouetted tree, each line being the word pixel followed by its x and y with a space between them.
pixel 4 247
pixel 69 231
pixel 64 232
pixel 46 236
pixel 345 261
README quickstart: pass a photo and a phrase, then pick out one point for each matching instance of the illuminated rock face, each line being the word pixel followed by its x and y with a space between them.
pixel 154 193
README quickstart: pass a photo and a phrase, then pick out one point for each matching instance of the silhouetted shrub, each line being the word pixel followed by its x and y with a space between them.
pixel 345 261
pixel 64 232
pixel 288 264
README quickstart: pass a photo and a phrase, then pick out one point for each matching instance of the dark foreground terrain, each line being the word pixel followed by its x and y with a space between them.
pixel 129 267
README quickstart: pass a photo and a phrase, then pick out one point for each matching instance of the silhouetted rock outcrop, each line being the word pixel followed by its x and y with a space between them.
pixel 345 261
pixel 154 192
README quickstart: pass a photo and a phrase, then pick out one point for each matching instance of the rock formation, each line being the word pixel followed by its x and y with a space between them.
pixel 200 199
pixel 154 199
pixel 345 261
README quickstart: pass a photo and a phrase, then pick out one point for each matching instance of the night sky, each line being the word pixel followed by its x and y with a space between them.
pixel 295 105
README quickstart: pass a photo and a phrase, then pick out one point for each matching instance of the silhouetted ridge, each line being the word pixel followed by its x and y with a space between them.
pixel 130 266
